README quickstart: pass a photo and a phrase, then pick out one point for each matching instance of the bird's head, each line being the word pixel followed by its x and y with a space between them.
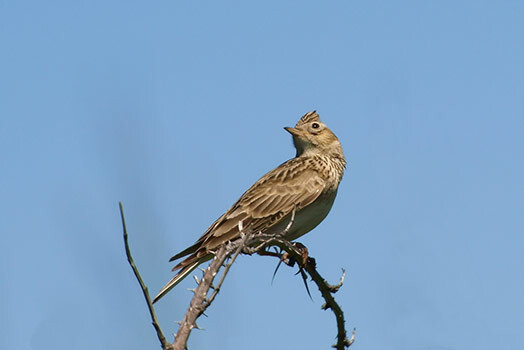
pixel 311 136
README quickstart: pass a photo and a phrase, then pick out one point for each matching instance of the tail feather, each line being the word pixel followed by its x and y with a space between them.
pixel 177 279
pixel 186 251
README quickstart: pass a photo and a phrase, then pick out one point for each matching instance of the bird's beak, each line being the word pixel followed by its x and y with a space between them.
pixel 293 131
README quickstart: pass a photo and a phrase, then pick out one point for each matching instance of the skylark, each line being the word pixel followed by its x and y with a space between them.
pixel 306 184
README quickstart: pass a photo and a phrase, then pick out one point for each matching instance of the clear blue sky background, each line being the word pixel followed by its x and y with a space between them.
pixel 176 107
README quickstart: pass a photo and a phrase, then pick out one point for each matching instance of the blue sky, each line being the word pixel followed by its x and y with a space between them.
pixel 176 107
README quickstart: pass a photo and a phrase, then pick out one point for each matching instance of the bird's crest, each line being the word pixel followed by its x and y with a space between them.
pixel 308 118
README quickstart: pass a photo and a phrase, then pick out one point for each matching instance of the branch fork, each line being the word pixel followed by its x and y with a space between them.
pixel 201 301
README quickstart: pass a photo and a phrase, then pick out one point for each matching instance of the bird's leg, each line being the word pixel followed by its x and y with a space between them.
pixel 303 253
pixel 287 258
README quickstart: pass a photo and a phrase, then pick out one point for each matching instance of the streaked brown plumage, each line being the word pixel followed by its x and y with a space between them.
pixel 309 181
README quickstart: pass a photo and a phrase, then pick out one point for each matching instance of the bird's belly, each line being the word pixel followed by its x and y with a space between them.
pixel 307 218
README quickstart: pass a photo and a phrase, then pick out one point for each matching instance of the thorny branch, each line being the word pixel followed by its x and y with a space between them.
pixel 309 264
pixel 248 244
pixel 198 304
pixel 200 301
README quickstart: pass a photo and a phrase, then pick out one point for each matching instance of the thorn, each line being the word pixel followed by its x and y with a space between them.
pixel 192 290
pixel 352 339
pixel 197 327
pixel 196 279
pixel 275 272
pixel 304 279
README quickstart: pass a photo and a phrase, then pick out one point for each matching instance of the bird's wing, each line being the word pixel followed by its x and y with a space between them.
pixel 291 186
pixel 270 199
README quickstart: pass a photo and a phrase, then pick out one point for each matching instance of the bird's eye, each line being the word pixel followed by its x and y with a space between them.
pixel 315 125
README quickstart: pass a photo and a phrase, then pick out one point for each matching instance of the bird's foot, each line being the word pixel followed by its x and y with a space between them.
pixel 304 256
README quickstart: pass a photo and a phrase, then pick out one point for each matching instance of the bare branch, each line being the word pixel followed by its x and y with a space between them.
pixel 327 290
pixel 160 335
pixel 200 301
pixel 226 270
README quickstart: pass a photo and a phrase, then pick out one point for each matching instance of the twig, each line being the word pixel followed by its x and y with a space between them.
pixel 327 290
pixel 198 303
pixel 216 289
pixel 160 335
pixel 291 220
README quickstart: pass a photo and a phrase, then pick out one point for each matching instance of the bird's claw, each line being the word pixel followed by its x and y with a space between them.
pixel 287 259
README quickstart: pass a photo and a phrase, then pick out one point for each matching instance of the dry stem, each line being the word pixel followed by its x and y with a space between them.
pixel 200 301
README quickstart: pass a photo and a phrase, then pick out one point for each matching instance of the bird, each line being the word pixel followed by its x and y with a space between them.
pixel 304 187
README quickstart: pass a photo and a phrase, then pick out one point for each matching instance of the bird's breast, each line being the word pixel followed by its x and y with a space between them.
pixel 307 218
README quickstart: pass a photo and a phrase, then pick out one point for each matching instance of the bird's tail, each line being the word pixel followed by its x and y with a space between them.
pixel 177 279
